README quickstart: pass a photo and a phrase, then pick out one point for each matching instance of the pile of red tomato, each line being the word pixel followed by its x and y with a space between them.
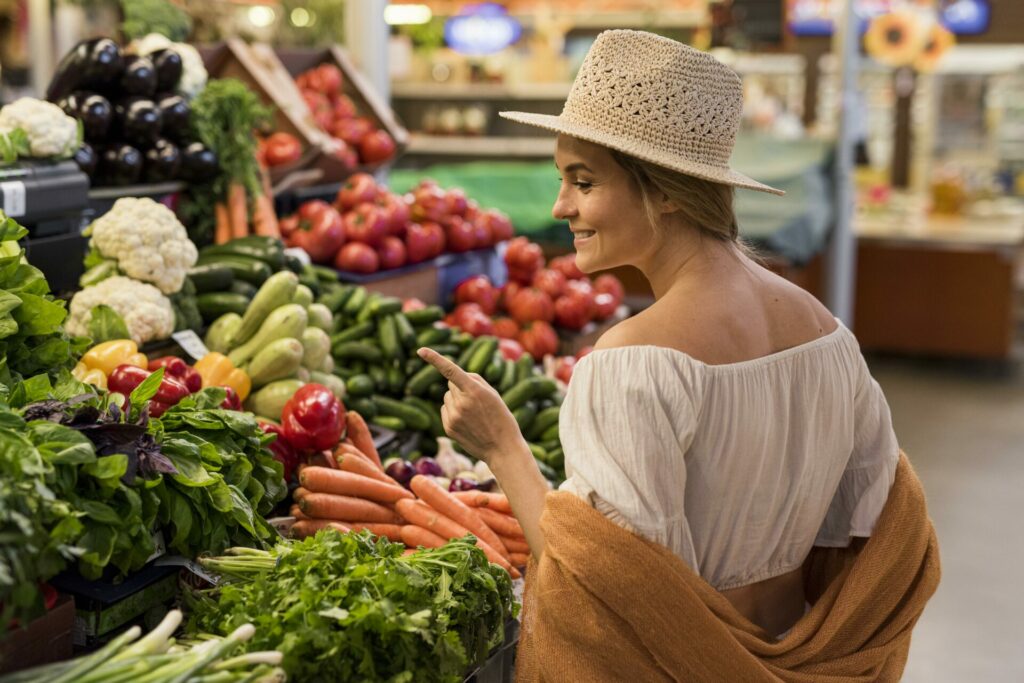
pixel 369 228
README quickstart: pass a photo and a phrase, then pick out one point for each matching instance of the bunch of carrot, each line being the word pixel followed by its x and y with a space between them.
pixel 232 214
pixel 349 491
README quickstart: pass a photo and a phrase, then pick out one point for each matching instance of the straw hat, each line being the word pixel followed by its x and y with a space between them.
pixel 658 100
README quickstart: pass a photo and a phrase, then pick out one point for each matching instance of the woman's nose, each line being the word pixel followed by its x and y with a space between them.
pixel 563 208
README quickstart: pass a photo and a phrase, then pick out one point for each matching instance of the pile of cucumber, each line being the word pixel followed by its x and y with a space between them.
pixel 227 276
pixel 281 339
pixel 374 343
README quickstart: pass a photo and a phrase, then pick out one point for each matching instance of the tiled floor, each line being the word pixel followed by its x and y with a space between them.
pixel 963 428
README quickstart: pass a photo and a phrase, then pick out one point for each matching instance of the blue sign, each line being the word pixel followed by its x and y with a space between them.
pixel 481 29
pixel 966 16
pixel 815 17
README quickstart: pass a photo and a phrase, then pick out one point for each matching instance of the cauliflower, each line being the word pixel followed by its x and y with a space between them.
pixel 147 241
pixel 51 132
pixel 193 71
pixel 147 313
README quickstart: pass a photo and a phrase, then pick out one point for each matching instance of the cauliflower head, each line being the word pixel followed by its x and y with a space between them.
pixel 51 132
pixel 147 313
pixel 147 241
pixel 193 71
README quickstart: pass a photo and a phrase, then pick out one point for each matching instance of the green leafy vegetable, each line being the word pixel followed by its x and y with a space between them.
pixel 106 324
pixel 13 145
pixel 142 17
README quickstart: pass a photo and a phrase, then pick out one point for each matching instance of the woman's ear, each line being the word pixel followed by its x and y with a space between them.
pixel 665 204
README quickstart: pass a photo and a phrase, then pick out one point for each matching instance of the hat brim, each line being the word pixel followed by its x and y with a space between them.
pixel 637 148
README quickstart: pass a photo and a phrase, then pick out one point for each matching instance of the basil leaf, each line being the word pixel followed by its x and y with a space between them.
pixel 147 389
pixel 106 324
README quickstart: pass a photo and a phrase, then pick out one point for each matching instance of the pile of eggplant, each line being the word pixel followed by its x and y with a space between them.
pixel 137 129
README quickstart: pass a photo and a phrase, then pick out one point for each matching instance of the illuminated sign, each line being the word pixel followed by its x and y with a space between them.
pixel 815 17
pixel 481 29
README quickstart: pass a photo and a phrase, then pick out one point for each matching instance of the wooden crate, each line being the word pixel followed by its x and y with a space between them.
pixel 47 639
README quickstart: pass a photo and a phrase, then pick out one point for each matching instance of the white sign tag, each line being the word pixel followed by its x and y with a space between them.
pixel 299 253
pixel 190 341
pixel 14 198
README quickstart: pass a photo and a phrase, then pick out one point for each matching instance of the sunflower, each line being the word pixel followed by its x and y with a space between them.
pixel 897 38
pixel 940 39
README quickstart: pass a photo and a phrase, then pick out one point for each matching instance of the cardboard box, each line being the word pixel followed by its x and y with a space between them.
pixel 47 639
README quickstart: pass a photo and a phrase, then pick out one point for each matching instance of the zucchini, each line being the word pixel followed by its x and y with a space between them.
pixel 251 270
pixel 271 253
pixel 218 335
pixel 212 305
pixel 335 384
pixel 242 287
pixel 285 321
pixel 269 401
pixel 389 422
pixel 353 333
pixel 425 316
pixel 211 278
pixel 423 380
pixel 433 335
pixel 411 415
pixel 406 334
pixel 357 351
pixel 363 406
pixel 279 359
pixel 360 385
pixel 303 296
pixel 278 290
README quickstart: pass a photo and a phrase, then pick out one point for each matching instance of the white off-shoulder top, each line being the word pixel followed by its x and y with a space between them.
pixel 741 468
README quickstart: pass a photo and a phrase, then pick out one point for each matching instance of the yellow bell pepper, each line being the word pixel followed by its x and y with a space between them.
pixel 82 373
pixel 108 355
pixel 217 370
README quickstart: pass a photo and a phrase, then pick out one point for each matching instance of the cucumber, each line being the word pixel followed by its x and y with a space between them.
pixel 335 299
pixel 556 458
pixel 528 389
pixel 525 416
pixel 396 379
pixel 467 354
pixel 212 305
pixel 357 350
pixel 360 385
pixel 437 391
pixel 269 401
pixel 422 380
pixel 269 251
pixel 550 434
pixel 363 406
pixel 358 366
pixel 279 359
pixel 388 335
pixel 293 263
pixel 413 365
pixel 286 321
pixel 495 369
pixel 218 336
pixel 345 373
pixel 538 452
pixel 303 296
pixel 549 473
pixel 251 270
pixel 481 358
pixel 335 384
pixel 551 445
pixel 277 291
pixel 389 422
pixel 379 376
pixel 353 333
pixel 406 334
pixel 366 312
pixel 242 287
pixel 446 349
pixel 433 335
pixel 324 274
pixel 432 410
pixel 356 301
pixel 545 418
pixel 463 339
pixel 385 305
pixel 411 415
pixel 524 367
pixel 508 376
pixel 211 278
pixel 311 283
pixel 425 316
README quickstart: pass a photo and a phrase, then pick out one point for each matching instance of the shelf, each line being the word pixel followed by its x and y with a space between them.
pixel 157 189
pixel 480 91
pixel 693 18
pixel 456 145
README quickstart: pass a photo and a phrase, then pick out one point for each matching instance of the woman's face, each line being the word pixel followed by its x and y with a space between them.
pixel 603 206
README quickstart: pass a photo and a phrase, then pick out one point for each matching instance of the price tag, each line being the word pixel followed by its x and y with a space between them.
pixel 300 254
pixel 14 198
pixel 190 341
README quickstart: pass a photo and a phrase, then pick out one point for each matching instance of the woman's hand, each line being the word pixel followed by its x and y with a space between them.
pixel 473 413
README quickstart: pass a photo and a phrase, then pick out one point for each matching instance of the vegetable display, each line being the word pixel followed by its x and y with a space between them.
pixel 48 131
pixel 343 607
pixel 147 313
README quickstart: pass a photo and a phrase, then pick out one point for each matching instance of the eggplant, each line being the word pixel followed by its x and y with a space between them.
pixel 139 121
pixel 86 159
pixel 169 68
pixel 176 113
pixel 71 104
pixel 163 160
pixel 102 64
pixel 139 77
pixel 68 74
pixel 96 114
pixel 120 165
pixel 198 163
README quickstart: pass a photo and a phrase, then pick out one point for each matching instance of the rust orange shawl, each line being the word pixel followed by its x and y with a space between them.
pixel 606 605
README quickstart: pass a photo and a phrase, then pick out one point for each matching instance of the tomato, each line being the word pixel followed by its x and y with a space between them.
pixel 418 243
pixel 428 203
pixel 471 318
pixel 319 108
pixel 482 234
pixel 357 258
pixel 609 284
pixel 392 253
pixel 479 290
pixel 413 304
pixel 524 256
pixel 573 311
pixel 342 107
pixel 539 339
pixel 583 352
pixel 550 281
pixel 564 367
pixel 351 130
pixel 366 223
pixel 508 292
pixel 375 147
pixel 319 231
pixel 498 223
pixel 288 224
pixel 505 328
pixel 604 306
pixel 330 78
pixel 583 290
pixel 456 202
pixel 531 304
pixel 510 348
pixel 396 212
pixel 566 265
pixel 345 154
pixel 460 234
pixel 282 148
pixel 438 240
pixel 359 188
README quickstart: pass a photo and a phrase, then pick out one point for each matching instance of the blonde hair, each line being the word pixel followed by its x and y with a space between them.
pixel 705 205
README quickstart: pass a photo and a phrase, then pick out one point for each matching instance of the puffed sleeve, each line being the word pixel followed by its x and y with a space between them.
pixel 870 471
pixel 626 424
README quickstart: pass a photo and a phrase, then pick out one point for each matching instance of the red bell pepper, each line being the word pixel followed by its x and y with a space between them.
pixel 179 369
pixel 231 400
pixel 282 450
pixel 125 378
pixel 320 231
pixel 313 419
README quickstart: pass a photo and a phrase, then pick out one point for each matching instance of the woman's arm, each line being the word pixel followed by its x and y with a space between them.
pixel 474 415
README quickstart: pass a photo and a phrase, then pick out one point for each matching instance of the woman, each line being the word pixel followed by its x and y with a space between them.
pixel 733 425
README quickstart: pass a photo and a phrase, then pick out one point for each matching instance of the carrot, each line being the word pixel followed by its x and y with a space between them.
pixel 324 480
pixel 442 501
pixel 238 210
pixel 419 513
pixel 321 459
pixel 338 526
pixel 222 229
pixel 331 506
pixel 295 512
pixel 416 536
pixel 308 527
pixel 353 460
pixel 359 432
pixel 515 545
pixel 299 493
pixel 392 532
pixel 503 525
pixel 409 551
pixel 519 559
pixel 483 499
pixel 264 220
